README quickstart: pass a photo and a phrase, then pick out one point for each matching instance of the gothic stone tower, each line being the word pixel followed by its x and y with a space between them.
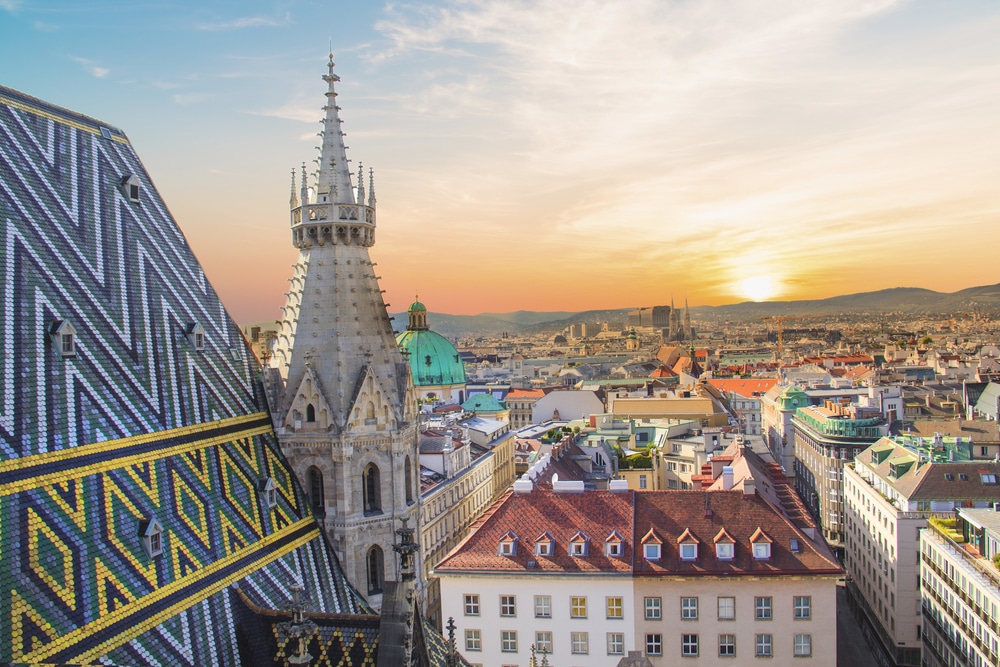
pixel 340 393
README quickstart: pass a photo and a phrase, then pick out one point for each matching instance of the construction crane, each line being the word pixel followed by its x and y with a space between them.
pixel 779 320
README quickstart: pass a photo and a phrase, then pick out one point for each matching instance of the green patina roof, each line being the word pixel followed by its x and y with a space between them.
pixel 416 305
pixel 434 361
pixel 483 403
pixel 793 397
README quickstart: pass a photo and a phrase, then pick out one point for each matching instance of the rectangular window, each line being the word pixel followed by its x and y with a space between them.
pixel 654 644
pixel 642 481
pixel 472 605
pixel 762 608
pixel 764 646
pixel 651 551
pixel 473 640
pixel 689 645
pixel 508 641
pixel 689 608
pixel 727 608
pixel 580 643
pixel 543 606
pixel 616 643
pixel 653 609
pixel 689 551
pixel 543 642
pixel 578 607
pixel 615 608
pixel 727 646
pixel 508 606
pixel 803 646
pixel 803 608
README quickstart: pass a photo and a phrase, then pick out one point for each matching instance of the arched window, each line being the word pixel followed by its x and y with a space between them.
pixel 310 413
pixel 314 481
pixel 372 489
pixel 408 471
pixel 375 570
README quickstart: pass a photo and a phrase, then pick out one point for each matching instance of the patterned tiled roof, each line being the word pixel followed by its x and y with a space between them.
pixel 153 411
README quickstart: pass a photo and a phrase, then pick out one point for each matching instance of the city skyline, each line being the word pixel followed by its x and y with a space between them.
pixel 555 155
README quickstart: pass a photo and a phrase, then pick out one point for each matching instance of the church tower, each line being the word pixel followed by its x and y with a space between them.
pixel 340 392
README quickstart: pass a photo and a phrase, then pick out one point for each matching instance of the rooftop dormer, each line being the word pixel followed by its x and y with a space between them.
pixel 507 545
pixel 725 546
pixel 760 543
pixel 652 545
pixel 687 544
pixel 579 544
pixel 545 544
pixel 614 544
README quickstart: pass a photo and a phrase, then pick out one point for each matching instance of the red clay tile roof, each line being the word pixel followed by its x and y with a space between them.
pixel 659 516
pixel 747 387
pixel 562 515
pixel 674 512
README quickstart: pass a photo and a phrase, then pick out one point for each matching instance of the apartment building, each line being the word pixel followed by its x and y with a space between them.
pixel 891 490
pixel 458 482
pixel 827 437
pixel 960 586
pixel 588 576
pixel 744 398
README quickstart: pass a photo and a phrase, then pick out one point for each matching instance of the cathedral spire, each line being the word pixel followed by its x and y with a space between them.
pixel 371 187
pixel 334 171
pixel 361 183
pixel 293 199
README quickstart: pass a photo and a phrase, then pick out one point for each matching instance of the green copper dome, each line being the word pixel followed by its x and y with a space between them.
pixel 416 305
pixel 434 361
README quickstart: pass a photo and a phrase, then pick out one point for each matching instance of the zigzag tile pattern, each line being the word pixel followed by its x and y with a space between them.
pixel 136 423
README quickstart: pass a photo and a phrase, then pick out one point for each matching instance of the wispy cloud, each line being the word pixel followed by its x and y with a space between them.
pixel 245 22
pixel 92 67
pixel 10 5
pixel 734 135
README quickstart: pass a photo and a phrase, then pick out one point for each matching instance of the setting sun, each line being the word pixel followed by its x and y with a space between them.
pixel 757 288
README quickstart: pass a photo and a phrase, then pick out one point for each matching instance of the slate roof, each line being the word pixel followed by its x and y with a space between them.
pixel 137 423
pixel 668 515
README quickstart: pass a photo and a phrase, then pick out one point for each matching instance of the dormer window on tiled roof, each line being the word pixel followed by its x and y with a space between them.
pixel 613 544
pixel 130 188
pixel 151 535
pixel 725 545
pixel 268 492
pixel 687 544
pixel 760 543
pixel 652 546
pixel 579 544
pixel 544 544
pixel 508 544
pixel 196 335
pixel 63 337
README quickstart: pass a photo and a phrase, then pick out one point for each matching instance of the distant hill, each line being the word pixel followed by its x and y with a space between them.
pixel 894 301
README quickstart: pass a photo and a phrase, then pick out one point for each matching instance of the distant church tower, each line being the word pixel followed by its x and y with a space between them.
pixel 339 389
pixel 688 330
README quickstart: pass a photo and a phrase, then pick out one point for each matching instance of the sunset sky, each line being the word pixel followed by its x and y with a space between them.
pixel 558 154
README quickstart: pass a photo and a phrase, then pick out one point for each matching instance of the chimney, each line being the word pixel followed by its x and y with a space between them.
pixel 749 488
pixel 727 478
